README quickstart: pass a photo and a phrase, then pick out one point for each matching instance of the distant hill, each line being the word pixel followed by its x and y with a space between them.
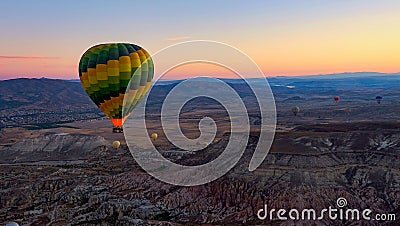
pixel 46 102
pixel 46 93
pixel 26 93
pixel 340 81
pixel 42 103
pixel 343 80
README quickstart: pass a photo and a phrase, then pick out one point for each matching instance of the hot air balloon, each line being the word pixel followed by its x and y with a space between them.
pixel 336 98
pixel 116 144
pixel 105 71
pixel 12 224
pixel 378 99
pixel 154 136
pixel 295 110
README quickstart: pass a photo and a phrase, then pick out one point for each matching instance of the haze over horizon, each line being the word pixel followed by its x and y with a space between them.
pixel 173 78
pixel 42 39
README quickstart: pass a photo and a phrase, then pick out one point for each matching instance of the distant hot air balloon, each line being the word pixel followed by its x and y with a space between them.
pixel 295 110
pixel 116 144
pixel 378 99
pixel 12 224
pixel 336 98
pixel 154 136
pixel 105 71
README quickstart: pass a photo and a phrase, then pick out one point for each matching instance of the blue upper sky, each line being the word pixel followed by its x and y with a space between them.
pixel 47 38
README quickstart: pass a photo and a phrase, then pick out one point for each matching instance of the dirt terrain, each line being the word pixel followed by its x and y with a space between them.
pixel 69 173
pixel 100 184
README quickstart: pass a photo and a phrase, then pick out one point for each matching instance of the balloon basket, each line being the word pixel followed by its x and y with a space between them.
pixel 118 129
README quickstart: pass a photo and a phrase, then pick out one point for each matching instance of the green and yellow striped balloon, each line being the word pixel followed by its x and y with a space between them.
pixel 105 71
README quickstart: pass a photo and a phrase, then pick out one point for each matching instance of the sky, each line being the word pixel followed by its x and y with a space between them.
pixel 285 37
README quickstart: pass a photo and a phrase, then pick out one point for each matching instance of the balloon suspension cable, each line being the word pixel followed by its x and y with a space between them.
pixel 118 129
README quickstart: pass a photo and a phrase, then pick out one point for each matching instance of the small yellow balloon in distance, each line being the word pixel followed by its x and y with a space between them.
pixel 295 110
pixel 154 136
pixel 116 144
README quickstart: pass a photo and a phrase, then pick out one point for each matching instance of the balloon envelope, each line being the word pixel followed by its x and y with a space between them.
pixel 12 224
pixel 378 99
pixel 295 110
pixel 336 98
pixel 154 136
pixel 105 71
pixel 116 144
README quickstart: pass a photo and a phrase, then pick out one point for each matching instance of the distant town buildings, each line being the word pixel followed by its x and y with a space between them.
pixel 47 117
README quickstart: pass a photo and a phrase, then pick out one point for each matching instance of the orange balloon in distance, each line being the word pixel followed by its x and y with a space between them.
pixel 336 99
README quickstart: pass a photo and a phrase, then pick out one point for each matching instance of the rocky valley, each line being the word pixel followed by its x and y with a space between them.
pixel 84 181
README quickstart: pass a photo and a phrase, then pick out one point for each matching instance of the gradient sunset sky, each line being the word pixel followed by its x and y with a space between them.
pixel 47 38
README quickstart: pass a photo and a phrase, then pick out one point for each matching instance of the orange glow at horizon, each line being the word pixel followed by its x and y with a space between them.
pixel 32 67
pixel 195 69
pixel 279 63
